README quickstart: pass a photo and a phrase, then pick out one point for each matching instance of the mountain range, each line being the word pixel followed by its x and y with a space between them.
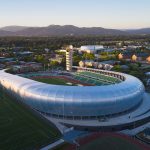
pixel 67 30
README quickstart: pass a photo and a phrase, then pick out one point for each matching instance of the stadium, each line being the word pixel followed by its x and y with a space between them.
pixel 83 98
pixel 89 99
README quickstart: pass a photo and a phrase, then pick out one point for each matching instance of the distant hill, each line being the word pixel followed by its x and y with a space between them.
pixel 66 30
pixel 139 31
pixel 56 30
pixel 5 33
pixel 13 28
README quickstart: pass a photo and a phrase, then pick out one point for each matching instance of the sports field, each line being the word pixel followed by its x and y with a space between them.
pixel 21 129
pixel 60 80
pixel 76 79
pixel 56 81
pixel 106 141
pixel 110 143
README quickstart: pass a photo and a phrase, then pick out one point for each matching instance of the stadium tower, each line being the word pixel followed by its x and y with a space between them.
pixel 69 52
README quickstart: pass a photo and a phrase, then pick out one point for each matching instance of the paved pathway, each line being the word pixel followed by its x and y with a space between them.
pixel 71 136
pixel 50 146
pixel 135 131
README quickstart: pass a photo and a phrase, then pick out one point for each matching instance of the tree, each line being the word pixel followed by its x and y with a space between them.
pixel 134 67
pixel 117 68
pixel 39 58
pixel 137 74
pixel 54 64
pixel 88 56
pixel 76 60
pixel 63 62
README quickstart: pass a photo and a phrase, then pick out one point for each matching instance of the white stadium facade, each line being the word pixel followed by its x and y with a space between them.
pixel 117 106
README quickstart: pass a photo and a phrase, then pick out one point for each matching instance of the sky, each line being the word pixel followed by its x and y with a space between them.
pixel 117 14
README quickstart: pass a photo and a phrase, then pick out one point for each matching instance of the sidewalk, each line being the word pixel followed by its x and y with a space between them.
pixel 50 146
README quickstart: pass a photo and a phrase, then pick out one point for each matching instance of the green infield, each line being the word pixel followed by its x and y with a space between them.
pixel 55 81
pixel 110 143
pixel 21 128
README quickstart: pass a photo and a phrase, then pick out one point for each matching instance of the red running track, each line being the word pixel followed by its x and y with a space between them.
pixel 97 135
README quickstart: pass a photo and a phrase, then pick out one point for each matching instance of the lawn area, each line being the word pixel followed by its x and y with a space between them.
pixel 21 129
pixel 110 143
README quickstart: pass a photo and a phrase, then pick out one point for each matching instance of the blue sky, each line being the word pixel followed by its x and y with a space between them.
pixel 103 13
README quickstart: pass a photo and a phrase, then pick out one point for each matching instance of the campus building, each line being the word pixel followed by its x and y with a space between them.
pixel 91 48
pixel 109 101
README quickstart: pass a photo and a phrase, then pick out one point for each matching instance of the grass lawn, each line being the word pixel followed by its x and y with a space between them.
pixel 21 129
pixel 56 81
pixel 110 143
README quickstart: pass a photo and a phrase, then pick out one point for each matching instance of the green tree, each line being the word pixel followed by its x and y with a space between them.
pixel 54 64
pixel 39 58
pixel 117 68
pixel 88 56
pixel 76 60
